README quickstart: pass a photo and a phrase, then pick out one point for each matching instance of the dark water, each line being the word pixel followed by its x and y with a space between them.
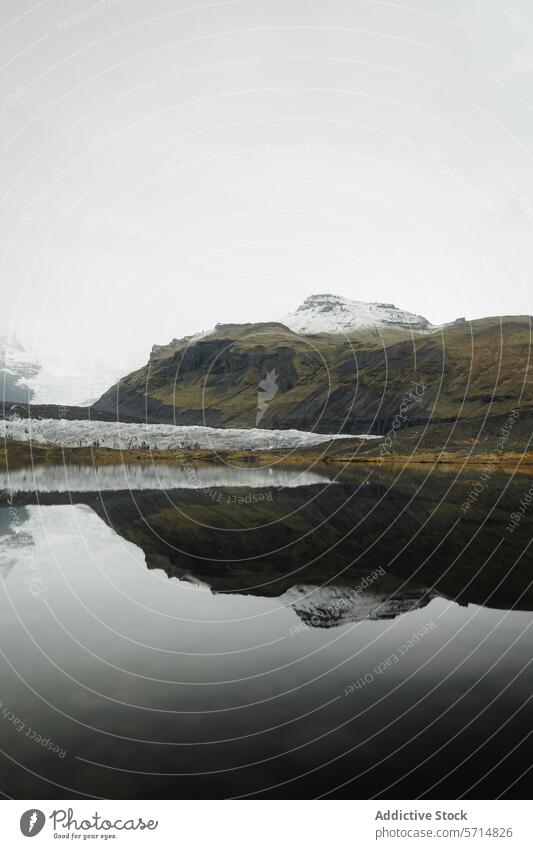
pixel 212 633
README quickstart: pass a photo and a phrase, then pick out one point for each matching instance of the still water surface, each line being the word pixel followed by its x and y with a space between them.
pixel 366 638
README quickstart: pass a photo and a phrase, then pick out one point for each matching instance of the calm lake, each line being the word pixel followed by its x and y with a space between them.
pixel 217 632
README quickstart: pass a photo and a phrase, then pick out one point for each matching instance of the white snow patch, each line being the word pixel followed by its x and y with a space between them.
pixel 335 314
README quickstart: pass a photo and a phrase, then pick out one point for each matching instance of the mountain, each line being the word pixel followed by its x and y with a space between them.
pixel 70 378
pixel 335 314
pixel 17 370
pixel 50 376
pixel 370 546
pixel 463 375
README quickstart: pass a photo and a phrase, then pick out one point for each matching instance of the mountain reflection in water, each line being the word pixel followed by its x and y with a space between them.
pixel 292 586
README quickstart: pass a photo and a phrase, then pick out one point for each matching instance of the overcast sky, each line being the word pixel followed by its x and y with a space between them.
pixel 168 165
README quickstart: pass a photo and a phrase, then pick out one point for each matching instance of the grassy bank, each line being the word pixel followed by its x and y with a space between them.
pixel 13 454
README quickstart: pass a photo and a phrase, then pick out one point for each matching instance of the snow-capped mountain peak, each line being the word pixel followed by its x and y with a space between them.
pixel 336 314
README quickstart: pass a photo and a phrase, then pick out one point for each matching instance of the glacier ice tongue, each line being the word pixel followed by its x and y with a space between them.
pixel 157 437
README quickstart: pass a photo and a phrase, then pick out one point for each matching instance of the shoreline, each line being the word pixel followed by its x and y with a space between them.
pixel 25 453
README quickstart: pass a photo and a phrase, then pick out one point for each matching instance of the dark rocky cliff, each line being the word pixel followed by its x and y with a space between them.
pixel 331 383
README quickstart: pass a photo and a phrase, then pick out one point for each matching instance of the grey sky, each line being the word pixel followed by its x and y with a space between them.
pixel 164 168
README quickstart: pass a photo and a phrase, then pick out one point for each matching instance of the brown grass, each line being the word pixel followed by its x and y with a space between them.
pixel 15 454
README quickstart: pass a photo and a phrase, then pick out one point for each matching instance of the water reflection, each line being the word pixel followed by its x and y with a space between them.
pixel 130 476
pixel 366 639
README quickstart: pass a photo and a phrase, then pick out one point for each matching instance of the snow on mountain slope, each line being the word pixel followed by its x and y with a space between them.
pixel 50 377
pixel 77 434
pixel 54 376
pixel 70 380
pixel 335 314
pixel 17 369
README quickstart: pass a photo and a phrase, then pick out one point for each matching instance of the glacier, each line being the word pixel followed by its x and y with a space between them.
pixel 158 437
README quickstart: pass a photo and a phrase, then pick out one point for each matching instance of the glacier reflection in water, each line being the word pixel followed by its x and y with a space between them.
pixel 85 478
